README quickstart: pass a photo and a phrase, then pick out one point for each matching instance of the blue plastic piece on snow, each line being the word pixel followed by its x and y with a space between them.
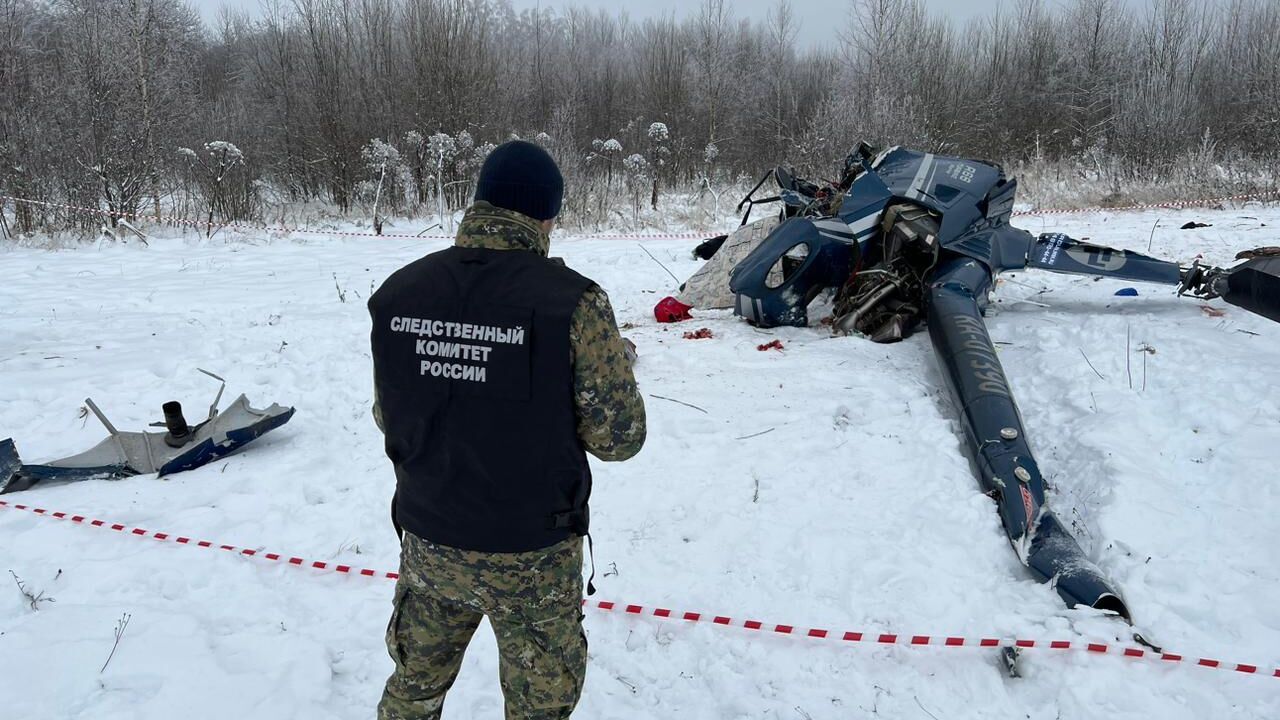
pixel 1127 292
pixel 208 451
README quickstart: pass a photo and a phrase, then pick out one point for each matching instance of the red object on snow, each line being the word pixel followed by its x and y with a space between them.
pixel 775 345
pixel 699 334
pixel 670 310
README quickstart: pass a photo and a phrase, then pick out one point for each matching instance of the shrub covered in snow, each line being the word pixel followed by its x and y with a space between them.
pixel 218 184
pixel 389 182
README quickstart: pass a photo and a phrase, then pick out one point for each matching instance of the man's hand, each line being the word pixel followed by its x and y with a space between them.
pixel 610 409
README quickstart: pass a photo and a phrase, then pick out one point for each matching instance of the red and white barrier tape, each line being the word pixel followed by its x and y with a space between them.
pixel 696 617
pixel 341 233
pixel 593 236
pixel 1174 205
pixel 929 640
pixel 182 540
pixel 197 224
pixel 1152 206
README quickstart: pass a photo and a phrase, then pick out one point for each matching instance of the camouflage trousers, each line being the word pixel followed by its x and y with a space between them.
pixel 533 601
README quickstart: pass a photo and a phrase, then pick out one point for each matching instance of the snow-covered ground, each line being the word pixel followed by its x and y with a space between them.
pixel 855 510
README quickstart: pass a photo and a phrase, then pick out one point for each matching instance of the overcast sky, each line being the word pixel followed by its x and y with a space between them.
pixel 820 20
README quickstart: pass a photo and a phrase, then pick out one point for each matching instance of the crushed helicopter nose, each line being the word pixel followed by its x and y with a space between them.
pixel 909 237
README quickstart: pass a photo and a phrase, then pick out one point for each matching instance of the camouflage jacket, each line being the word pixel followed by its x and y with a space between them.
pixel 610 409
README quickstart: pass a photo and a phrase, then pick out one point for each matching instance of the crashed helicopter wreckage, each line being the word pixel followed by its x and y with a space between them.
pixel 907 237
pixel 123 454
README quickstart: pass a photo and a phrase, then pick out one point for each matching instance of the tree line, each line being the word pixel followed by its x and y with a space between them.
pixel 138 106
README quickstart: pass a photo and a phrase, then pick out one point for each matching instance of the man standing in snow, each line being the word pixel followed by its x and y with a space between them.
pixel 495 370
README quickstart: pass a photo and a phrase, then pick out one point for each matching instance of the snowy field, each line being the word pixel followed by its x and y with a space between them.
pixel 855 509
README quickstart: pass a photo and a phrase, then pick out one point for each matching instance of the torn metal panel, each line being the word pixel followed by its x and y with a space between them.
pixel 123 454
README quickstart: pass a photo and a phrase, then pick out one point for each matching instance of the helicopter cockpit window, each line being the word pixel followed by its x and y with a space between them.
pixel 786 179
pixel 786 266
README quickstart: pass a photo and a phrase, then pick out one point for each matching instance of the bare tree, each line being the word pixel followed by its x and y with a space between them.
pixel 782 37
pixel 99 95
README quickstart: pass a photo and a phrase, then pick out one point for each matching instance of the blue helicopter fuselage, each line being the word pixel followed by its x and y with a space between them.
pixel 973 201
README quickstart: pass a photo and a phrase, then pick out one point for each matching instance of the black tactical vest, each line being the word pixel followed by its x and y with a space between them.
pixel 472 364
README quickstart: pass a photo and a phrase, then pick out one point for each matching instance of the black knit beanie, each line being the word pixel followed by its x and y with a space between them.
pixel 521 176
